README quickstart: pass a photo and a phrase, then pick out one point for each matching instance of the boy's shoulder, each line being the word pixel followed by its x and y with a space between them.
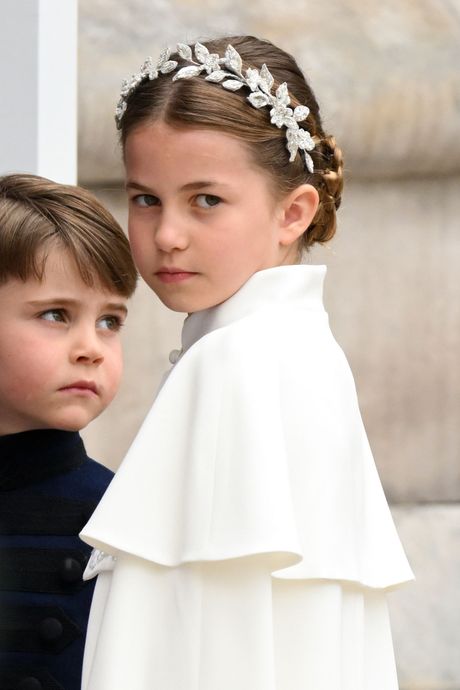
pixel 89 480
pixel 51 462
pixel 98 475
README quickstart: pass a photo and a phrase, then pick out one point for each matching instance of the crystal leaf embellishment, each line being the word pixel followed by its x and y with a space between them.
pixel 184 51
pixel 227 71
pixel 187 72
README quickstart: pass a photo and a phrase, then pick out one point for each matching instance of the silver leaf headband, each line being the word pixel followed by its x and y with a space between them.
pixel 231 78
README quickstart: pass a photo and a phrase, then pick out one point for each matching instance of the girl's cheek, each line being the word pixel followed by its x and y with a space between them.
pixel 135 239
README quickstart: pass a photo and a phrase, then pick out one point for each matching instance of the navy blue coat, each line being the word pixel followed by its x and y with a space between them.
pixel 48 490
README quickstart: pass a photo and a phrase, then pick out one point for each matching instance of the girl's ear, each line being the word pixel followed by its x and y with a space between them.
pixel 297 211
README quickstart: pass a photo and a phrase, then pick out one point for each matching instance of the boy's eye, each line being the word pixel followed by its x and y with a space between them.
pixel 207 200
pixel 54 315
pixel 110 323
pixel 145 200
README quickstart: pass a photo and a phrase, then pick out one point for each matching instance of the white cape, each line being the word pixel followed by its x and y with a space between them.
pixel 252 537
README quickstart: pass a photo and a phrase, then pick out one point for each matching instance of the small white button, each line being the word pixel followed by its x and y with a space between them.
pixel 174 356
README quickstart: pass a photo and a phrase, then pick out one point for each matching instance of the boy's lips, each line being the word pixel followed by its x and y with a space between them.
pixel 174 275
pixel 82 388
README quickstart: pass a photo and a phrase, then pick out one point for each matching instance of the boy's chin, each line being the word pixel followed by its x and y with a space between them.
pixel 69 427
pixel 75 422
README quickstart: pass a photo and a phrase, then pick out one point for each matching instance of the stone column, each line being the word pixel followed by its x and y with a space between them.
pixel 38 104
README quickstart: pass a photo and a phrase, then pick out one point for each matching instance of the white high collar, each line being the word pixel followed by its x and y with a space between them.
pixel 299 284
pixel 247 453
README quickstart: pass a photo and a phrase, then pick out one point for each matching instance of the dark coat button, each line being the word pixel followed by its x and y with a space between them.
pixel 51 629
pixel 71 571
pixel 29 683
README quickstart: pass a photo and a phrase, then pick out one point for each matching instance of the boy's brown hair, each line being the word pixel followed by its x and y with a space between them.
pixel 37 214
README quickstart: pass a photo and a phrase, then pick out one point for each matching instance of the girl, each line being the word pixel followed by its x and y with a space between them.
pixel 245 543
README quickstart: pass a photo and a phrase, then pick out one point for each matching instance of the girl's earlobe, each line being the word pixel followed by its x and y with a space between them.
pixel 299 209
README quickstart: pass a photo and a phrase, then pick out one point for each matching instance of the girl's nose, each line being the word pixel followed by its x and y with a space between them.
pixel 171 233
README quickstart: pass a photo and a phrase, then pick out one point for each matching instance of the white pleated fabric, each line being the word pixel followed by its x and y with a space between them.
pixel 253 541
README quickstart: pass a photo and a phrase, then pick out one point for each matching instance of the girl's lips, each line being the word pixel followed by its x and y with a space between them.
pixel 174 276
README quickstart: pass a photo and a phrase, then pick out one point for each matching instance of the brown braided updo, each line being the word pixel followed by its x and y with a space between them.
pixel 199 103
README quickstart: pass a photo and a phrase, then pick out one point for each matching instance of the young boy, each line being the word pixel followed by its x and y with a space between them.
pixel 65 275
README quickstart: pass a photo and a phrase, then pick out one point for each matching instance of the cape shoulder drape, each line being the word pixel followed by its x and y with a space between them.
pixel 251 533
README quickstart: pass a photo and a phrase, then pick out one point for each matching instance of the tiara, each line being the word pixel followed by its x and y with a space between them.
pixel 227 71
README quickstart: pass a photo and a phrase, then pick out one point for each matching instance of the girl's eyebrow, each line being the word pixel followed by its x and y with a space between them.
pixel 136 185
pixel 199 184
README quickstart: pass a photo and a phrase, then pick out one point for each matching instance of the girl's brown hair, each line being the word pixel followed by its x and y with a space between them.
pixel 37 214
pixel 199 103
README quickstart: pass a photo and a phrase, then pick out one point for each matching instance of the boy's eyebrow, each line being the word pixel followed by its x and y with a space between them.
pixel 117 306
pixel 66 301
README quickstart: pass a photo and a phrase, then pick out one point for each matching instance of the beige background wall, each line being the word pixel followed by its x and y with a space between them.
pixel 388 80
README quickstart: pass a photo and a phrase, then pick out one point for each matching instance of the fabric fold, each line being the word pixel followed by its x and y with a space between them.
pixel 246 451
pixel 228 624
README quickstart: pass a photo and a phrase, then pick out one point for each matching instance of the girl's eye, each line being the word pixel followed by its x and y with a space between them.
pixel 110 323
pixel 146 200
pixel 207 200
pixel 54 315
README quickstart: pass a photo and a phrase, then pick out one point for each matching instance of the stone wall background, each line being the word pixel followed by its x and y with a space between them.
pixel 387 77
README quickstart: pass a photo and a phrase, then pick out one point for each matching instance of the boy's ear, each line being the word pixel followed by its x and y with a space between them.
pixel 297 211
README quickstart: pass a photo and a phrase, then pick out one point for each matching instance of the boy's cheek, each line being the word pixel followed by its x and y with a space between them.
pixel 113 375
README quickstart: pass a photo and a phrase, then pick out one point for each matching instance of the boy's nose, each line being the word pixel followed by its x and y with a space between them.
pixel 86 348
pixel 90 357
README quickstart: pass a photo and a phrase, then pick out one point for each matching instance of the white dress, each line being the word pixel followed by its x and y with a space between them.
pixel 248 542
